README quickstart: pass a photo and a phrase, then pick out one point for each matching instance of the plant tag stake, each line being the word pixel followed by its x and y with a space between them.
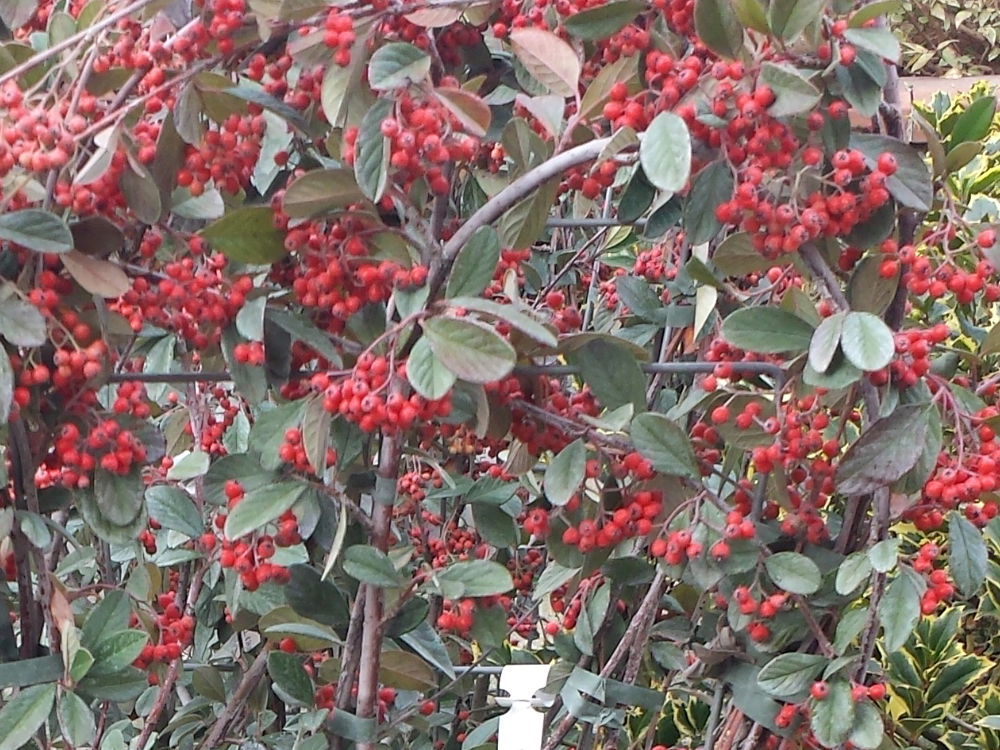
pixel 521 727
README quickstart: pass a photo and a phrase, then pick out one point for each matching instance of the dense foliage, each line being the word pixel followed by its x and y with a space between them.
pixel 348 345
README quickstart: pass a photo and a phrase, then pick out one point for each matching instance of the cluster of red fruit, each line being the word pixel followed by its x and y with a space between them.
pixel 175 631
pixel 108 446
pixel 634 519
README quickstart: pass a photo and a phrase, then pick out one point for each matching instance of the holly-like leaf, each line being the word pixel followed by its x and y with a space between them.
pixel 885 452
pixel 319 191
pixel 472 351
pixel 550 60
pixel 664 444
pixel 793 93
pixel 21 323
pixel 24 714
pixel 36 230
pixel 718 27
pixel 603 21
pixel 261 507
pixel 867 342
pixel 968 555
pixel 665 152
pixel 371 167
pixel 371 566
pixel 290 678
pixel 565 473
pixel 174 509
pixel 787 675
pixel 975 122
pixel 427 374
pixel 475 265
pixel 833 717
pixel 247 235
pixel 397 65
pixel 794 572
pixel 789 18
pixel 768 330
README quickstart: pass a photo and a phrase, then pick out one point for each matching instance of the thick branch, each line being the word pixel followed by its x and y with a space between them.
pixel 239 699
pixel 507 199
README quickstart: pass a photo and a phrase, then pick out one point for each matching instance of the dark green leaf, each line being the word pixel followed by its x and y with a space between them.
pixel 174 509
pixel 899 612
pixel 474 578
pixel 736 256
pixel 290 678
pixel 473 351
pixel 116 651
pixel 711 187
pixel 36 230
pixel 565 473
pixel 427 374
pixel 853 571
pixel 885 452
pixel 312 597
pixel 119 498
pixel 794 572
pixel 718 27
pixel 787 675
pixel 967 554
pixel 833 717
pixel 369 565
pixel 475 265
pixel 789 18
pixel 24 715
pixel 247 235
pixel 371 167
pixel 495 525
pixel 603 21
pixel 975 122
pixel 268 432
pixel 319 191
pixel 768 330
pixel 24 672
pixel 664 444
pixel 612 373
pixel 868 290
pixel 301 328
pixel 261 507
pixel 637 197
pixel 911 185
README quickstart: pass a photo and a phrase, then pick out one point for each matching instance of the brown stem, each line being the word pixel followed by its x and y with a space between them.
pixel 33 613
pixel 237 702
pixel 390 454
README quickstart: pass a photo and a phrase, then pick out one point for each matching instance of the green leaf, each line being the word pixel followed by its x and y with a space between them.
pixel 299 327
pixel 371 167
pixel 825 341
pixel 868 732
pixel 474 578
pixel 406 671
pixel 316 421
pixel 111 615
pixel 36 230
pixel 21 323
pixel 793 93
pixel 911 185
pixel 789 18
pixel 119 498
pixel 495 525
pixel 550 60
pixel 612 373
pixel 868 290
pixel 396 66
pixel 268 433
pixel 884 555
pixel 174 509
pixel 260 507
pixel 194 464
pixel 522 225
pixel 310 596
pixel 718 27
pixel 711 187
pixel 787 675
pixel 975 122
pixel 24 715
pixel 899 612
pixel 768 330
pixel 116 651
pixel 6 385
pixel 247 235
pixel 885 452
pixel 953 678
pixel 663 443
pixel 665 152
pixel 426 373
pixel 879 41
pixel 520 319
pixel 473 351
pixel 290 678
pixel 475 265
pixel 250 319
pixel 968 556
pixel 752 15
pixel 867 342
pixel 565 473
pixel 636 199
pixel 369 565
pixel 794 572
pixel 853 571
pixel 871 11
pixel 76 720
pixel 554 576
pixel 320 191
pixel 833 717
pixel 601 22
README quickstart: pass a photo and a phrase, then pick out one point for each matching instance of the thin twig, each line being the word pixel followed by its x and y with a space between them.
pixel 237 702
